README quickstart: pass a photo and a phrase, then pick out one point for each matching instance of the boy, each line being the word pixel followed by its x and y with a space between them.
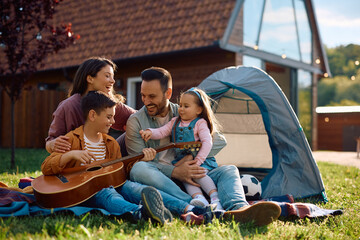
pixel 89 143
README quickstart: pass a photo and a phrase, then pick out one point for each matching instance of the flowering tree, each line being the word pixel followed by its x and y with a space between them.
pixel 26 38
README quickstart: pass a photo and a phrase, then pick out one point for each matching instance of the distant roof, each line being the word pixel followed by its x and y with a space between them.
pixel 338 109
pixel 126 29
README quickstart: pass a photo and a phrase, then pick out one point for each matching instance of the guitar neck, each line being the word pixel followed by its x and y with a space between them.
pixel 131 158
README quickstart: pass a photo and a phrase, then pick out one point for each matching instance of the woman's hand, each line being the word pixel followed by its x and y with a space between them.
pixel 149 154
pixel 60 144
pixel 145 134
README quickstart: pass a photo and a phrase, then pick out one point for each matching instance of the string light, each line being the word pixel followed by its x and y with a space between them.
pixel 352 78
pixel 283 56
pixel 326 75
pixel 256 47
pixel 317 61
pixel 357 62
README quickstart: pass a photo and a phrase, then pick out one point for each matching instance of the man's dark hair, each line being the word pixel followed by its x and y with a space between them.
pixel 157 73
pixel 97 101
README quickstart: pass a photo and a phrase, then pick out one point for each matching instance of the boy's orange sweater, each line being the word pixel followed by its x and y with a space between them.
pixel 51 164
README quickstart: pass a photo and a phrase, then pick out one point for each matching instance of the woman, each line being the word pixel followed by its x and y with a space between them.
pixel 95 74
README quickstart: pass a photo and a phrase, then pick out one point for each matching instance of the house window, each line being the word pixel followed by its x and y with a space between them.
pixel 252 20
pixel 304 31
pixel 133 92
pixel 305 101
pixel 278 27
pixel 252 62
pixel 48 86
pixel 278 33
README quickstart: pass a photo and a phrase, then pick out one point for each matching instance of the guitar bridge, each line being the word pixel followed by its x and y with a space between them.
pixel 62 178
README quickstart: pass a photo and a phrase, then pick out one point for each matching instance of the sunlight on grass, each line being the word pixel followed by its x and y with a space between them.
pixel 342 186
pixel 26 160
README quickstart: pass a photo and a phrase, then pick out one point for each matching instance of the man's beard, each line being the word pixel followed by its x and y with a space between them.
pixel 159 108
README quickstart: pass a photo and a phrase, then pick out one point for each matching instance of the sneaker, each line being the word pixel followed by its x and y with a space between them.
pixel 202 215
pixel 167 215
pixel 199 200
pixel 154 206
pixel 262 213
pixel 203 210
pixel 191 218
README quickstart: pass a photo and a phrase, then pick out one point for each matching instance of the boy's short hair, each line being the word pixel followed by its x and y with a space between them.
pixel 97 101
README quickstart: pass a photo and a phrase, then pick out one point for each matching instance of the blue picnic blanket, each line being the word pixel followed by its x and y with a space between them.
pixel 301 210
pixel 14 203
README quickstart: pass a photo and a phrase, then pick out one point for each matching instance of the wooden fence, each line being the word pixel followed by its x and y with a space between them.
pixel 33 115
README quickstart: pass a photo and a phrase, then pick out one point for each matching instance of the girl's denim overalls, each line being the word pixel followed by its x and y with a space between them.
pixel 186 134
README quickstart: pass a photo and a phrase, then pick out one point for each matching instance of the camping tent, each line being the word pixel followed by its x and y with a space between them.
pixel 263 133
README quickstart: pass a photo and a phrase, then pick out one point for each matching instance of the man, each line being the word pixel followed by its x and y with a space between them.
pixel 156 91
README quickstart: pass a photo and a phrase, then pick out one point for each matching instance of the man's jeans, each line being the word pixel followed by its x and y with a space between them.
pixel 226 178
pixel 131 191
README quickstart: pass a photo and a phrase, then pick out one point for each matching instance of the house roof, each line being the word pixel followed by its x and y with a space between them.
pixel 127 29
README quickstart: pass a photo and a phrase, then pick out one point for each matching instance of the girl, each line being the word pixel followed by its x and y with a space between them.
pixel 94 74
pixel 196 122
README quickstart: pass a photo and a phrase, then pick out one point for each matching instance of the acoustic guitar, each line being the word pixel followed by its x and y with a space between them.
pixel 75 185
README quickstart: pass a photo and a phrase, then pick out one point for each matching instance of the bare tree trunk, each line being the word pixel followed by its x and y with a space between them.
pixel 1 114
pixel 12 164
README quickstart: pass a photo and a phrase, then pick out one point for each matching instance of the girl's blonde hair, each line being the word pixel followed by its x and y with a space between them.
pixel 204 101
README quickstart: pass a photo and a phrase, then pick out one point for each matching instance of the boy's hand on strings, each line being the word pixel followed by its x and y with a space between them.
pixel 83 156
pixel 149 154
pixel 145 134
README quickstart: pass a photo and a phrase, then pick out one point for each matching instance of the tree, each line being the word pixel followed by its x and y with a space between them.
pixel 26 38
pixel 344 87
pixel 342 60
pixel 339 90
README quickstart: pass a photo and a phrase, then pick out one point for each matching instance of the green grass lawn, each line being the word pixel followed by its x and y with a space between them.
pixel 342 187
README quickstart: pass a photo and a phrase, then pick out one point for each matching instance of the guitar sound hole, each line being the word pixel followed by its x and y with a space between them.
pixel 93 169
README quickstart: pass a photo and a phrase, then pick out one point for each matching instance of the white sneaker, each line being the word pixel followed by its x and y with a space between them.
pixel 199 201
pixel 218 205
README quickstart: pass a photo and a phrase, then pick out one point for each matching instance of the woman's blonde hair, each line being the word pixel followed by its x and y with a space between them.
pixel 204 101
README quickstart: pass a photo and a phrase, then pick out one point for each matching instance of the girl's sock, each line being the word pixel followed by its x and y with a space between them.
pixel 215 200
pixel 190 208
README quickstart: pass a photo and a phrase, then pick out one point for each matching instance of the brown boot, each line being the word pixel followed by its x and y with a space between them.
pixel 262 213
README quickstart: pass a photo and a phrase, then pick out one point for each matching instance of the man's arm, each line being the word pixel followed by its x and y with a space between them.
pixel 134 142
pixel 219 142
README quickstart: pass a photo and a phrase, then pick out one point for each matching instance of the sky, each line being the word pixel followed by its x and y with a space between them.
pixel 338 21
